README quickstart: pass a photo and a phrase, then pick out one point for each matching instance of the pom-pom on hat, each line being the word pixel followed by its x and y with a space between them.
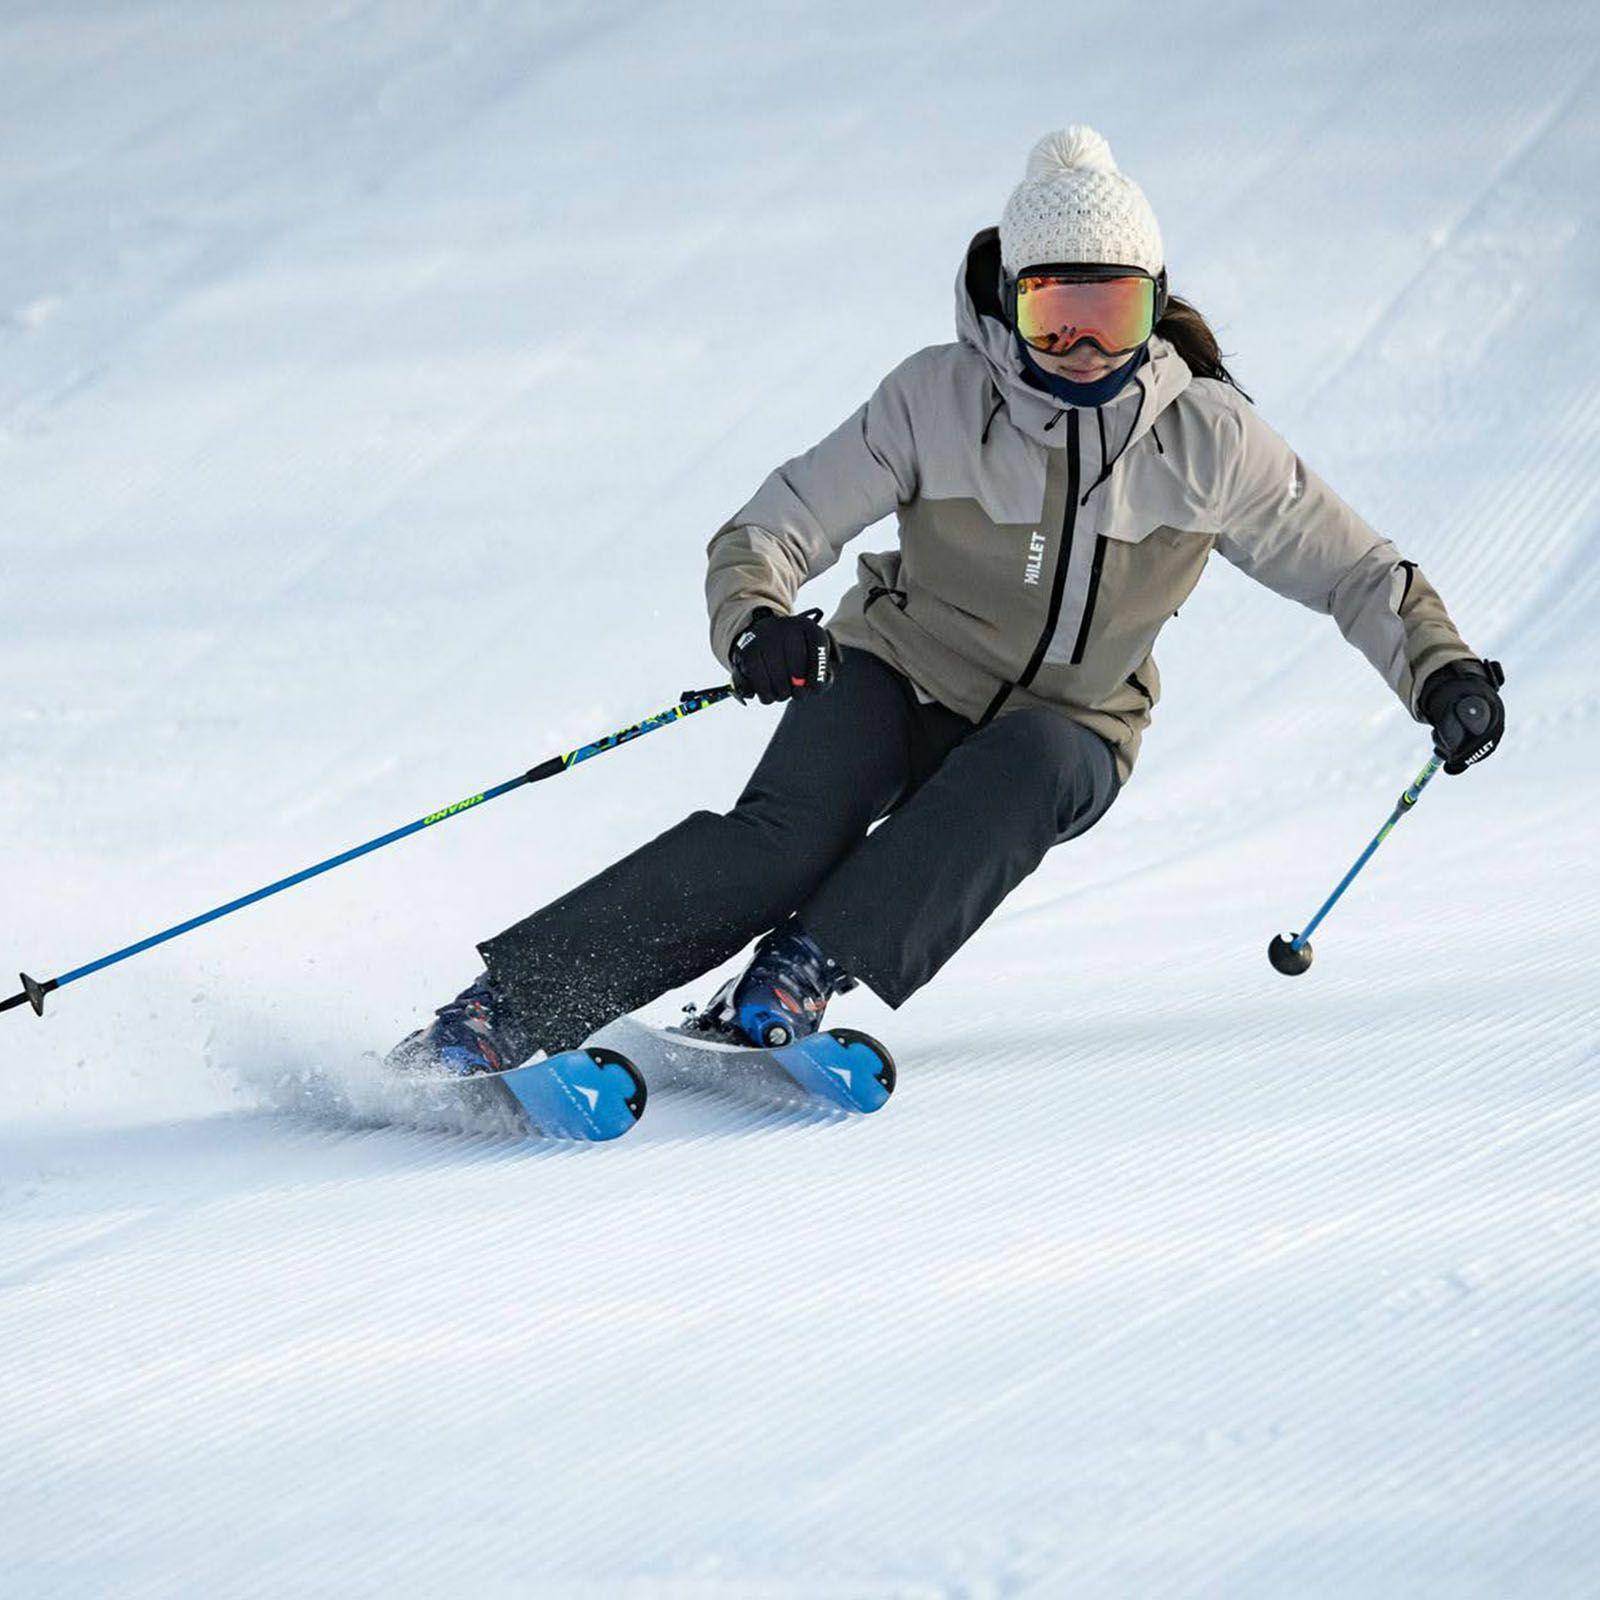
pixel 1074 205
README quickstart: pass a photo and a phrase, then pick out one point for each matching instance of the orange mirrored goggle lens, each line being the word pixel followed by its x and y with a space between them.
pixel 1053 314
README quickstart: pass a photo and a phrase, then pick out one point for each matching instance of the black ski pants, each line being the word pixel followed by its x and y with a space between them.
pixel 969 812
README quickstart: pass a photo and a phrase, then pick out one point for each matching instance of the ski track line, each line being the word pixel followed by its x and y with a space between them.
pixel 1412 1329
pixel 156 1216
pixel 516 82
pixel 109 1240
pixel 919 1440
pixel 1519 1467
pixel 1504 1483
pixel 539 1357
pixel 1245 1026
pixel 582 1177
pixel 363 526
pixel 1508 163
pixel 284 212
pixel 1553 517
pixel 109 1392
pixel 174 1211
pixel 210 258
pixel 252 244
pixel 1277 165
pixel 124 146
pixel 1546 500
pixel 1247 1182
pixel 1280 1458
pixel 23 100
pixel 219 256
pixel 1215 1155
pixel 1105 1058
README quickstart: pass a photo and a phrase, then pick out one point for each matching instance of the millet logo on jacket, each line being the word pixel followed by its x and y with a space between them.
pixel 1035 558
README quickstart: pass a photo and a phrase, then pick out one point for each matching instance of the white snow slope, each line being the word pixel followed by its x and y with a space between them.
pixel 371 378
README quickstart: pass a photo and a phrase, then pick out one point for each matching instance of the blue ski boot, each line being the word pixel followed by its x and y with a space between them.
pixel 784 990
pixel 470 1034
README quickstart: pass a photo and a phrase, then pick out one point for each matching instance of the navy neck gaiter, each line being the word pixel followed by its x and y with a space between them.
pixel 1080 394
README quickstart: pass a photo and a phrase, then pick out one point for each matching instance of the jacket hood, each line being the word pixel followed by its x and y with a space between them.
pixel 981 325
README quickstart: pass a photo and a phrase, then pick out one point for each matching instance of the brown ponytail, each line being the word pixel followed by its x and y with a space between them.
pixel 1190 335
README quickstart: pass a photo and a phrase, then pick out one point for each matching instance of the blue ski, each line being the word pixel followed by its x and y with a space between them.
pixel 591 1094
pixel 838 1068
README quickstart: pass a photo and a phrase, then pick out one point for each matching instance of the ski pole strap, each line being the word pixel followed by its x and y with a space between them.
pixel 692 700
pixel 1402 806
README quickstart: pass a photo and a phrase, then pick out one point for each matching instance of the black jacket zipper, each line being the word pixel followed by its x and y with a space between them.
pixel 1089 599
pixel 1058 583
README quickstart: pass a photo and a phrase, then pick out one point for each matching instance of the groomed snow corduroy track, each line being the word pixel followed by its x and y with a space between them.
pixel 371 377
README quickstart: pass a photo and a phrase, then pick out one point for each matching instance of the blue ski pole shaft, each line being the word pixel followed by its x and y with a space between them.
pixel 33 992
pixel 1293 955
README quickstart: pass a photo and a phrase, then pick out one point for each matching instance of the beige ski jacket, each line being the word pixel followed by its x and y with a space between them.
pixel 1043 546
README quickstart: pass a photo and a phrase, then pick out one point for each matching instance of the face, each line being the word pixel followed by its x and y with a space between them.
pixel 1083 363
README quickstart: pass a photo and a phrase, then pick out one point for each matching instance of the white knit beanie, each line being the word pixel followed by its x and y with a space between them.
pixel 1074 205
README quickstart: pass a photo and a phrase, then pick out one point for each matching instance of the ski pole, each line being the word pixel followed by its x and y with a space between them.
pixel 1291 955
pixel 690 701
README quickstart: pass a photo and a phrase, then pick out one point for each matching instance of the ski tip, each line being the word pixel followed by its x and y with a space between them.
pixel 634 1100
pixel 591 1095
pixel 878 1072
pixel 886 1075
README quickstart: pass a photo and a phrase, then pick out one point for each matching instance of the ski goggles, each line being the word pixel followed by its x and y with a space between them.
pixel 1116 308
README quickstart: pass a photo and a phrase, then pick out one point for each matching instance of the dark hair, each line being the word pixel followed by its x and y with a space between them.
pixel 1190 335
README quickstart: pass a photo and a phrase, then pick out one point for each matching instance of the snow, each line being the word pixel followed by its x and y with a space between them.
pixel 371 378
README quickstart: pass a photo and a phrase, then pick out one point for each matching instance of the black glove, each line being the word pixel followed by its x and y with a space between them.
pixel 1462 703
pixel 776 658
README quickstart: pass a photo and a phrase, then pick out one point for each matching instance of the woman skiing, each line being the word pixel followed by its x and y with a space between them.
pixel 1060 474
